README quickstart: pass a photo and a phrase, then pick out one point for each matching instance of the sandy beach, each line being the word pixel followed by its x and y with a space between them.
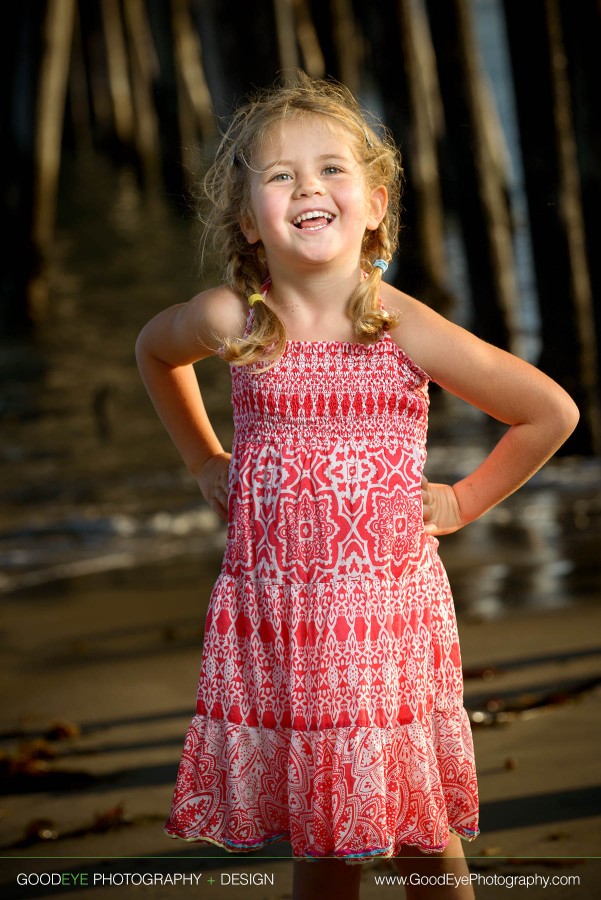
pixel 98 690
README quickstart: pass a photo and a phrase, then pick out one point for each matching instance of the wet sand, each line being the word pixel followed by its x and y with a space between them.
pixel 117 666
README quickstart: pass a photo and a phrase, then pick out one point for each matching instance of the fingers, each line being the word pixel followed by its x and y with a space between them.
pixel 220 502
pixel 220 509
pixel 220 496
pixel 427 500
pixel 441 513
pixel 432 528
pixel 213 482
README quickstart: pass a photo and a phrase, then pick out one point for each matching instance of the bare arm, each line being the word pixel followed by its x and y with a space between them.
pixel 539 413
pixel 166 349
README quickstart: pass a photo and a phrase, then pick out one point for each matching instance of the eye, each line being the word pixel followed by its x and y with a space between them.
pixel 281 176
pixel 332 170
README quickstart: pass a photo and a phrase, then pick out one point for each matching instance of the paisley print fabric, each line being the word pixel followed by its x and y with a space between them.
pixel 329 708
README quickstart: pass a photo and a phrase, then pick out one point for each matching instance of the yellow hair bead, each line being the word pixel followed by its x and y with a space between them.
pixel 255 298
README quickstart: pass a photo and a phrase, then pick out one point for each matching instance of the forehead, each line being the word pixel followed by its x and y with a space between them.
pixel 322 132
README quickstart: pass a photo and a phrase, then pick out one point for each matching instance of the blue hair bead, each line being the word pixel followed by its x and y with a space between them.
pixel 380 264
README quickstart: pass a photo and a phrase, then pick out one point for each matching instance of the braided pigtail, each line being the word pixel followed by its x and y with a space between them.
pixel 370 320
pixel 267 338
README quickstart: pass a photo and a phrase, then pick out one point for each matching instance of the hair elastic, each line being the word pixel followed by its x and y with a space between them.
pixel 380 264
pixel 255 298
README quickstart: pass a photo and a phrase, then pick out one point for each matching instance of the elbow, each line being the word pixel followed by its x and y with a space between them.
pixel 565 416
pixel 574 417
pixel 138 346
pixel 141 350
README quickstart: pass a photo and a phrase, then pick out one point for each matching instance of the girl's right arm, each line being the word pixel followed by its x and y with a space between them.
pixel 166 349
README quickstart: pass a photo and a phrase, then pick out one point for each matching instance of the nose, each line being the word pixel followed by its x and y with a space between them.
pixel 308 185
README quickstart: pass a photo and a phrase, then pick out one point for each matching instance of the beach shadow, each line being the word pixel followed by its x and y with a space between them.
pixel 490 670
pixel 103 724
pixel 540 809
pixel 135 642
pixel 531 696
pixel 123 747
pixel 63 782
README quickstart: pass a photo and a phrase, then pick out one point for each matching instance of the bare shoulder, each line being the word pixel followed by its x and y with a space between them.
pixel 495 381
pixel 191 331
pixel 201 326
pixel 217 314
pixel 450 354
pixel 420 330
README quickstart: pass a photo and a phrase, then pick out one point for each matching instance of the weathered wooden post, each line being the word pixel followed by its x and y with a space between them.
pixel 480 190
pixel 36 41
pixel 346 41
pixel 426 125
pixel 118 74
pixel 286 34
pixel 173 123
pixel 400 59
pixel 239 51
pixel 312 56
pixel 53 79
pixel 554 205
pixel 195 110
pixel 20 54
pixel 581 23
pixel 144 69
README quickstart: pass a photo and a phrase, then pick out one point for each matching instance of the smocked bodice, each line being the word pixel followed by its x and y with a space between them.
pixel 332 390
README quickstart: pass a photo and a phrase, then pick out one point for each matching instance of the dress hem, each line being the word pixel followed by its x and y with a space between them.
pixel 366 856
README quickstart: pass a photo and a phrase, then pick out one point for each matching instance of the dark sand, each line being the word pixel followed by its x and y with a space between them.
pixel 121 664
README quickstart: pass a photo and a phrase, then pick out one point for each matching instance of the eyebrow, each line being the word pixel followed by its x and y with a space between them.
pixel 290 162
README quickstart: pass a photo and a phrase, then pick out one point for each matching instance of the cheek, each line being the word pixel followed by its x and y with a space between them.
pixel 362 203
pixel 272 215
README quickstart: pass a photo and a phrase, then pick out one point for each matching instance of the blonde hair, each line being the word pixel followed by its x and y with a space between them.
pixel 227 191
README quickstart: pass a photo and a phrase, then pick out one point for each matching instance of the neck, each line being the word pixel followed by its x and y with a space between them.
pixel 292 294
pixel 314 306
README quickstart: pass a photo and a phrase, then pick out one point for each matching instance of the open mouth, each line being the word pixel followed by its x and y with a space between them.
pixel 314 220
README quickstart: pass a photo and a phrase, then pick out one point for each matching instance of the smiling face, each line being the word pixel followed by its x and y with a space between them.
pixel 310 203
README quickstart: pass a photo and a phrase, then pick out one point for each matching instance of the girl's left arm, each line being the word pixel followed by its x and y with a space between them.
pixel 539 413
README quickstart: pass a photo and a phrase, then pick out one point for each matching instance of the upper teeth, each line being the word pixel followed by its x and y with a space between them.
pixel 313 214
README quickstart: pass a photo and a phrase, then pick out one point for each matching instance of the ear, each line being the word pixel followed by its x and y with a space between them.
pixel 248 228
pixel 378 202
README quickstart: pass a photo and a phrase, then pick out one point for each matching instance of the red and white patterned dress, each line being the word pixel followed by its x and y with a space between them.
pixel 330 703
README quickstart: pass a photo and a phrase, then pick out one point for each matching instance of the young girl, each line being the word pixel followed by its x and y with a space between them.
pixel 329 708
